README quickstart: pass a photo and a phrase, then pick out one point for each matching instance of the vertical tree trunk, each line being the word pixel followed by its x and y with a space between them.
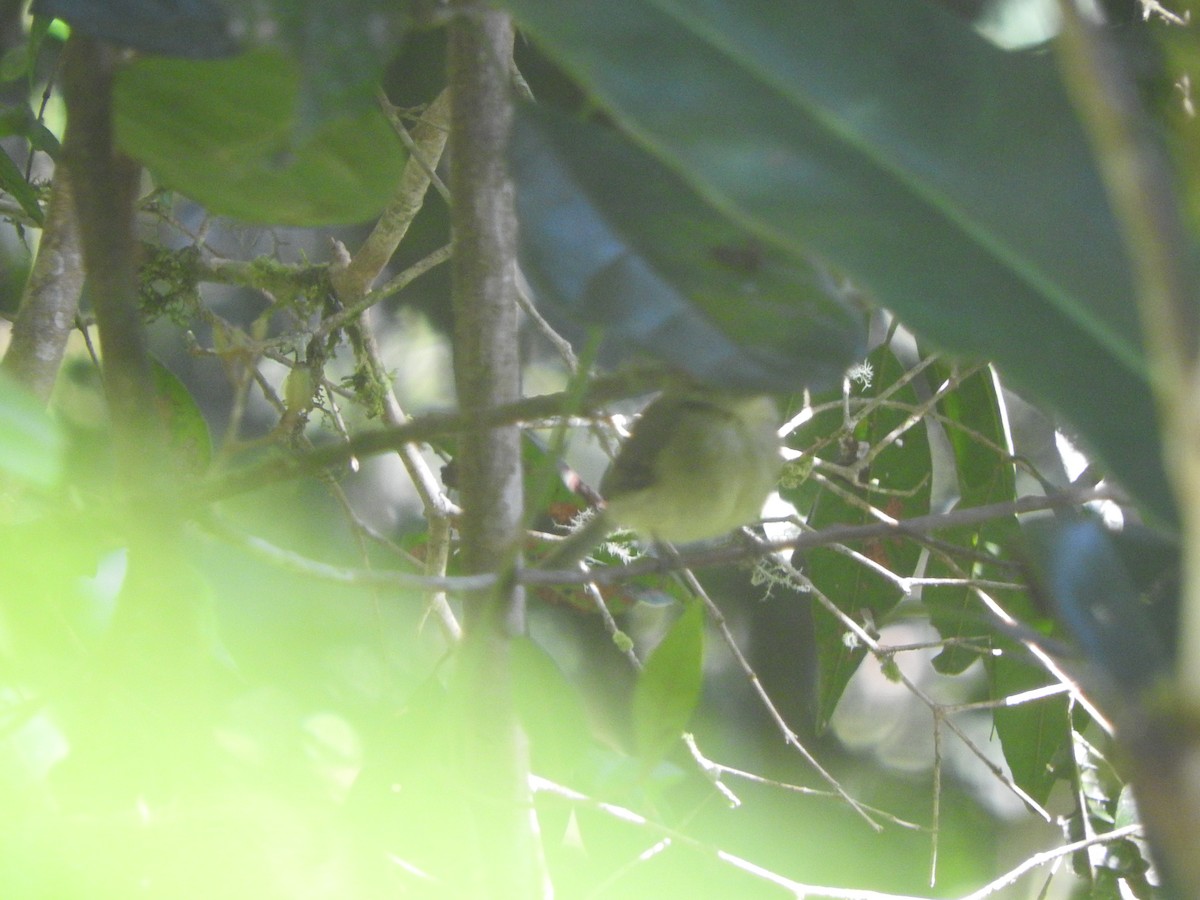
pixel 494 765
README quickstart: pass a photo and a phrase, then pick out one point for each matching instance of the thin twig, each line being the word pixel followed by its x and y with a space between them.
pixel 1049 856
pixel 718 769
pixel 671 836
pixel 438 508
pixel 740 551
pixel 789 736
pixel 648 565
pixel 880 653
pixel 422 429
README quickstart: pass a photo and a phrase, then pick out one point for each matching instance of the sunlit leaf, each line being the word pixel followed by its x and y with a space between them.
pixel 669 686
pixel 1036 735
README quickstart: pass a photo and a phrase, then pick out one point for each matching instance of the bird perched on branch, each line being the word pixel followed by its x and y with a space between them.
pixel 699 463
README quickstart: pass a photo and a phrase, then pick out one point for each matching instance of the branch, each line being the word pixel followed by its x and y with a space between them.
pixel 491 750
pixel 51 297
pixel 105 186
pixel 671 836
pixel 738 551
pixel 428 140
pixel 420 429
pixel 693 559
pixel 1049 856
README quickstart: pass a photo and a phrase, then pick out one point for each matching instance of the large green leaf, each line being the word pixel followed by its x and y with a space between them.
pixel 947 177
pixel 551 711
pixel 224 134
pixel 339 49
pixel 612 237
pixel 669 686
pixel 196 29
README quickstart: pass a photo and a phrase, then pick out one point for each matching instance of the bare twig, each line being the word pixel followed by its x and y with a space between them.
pixel 427 141
pixel 880 652
pixel 716 770
pixel 424 428
pixel 647 565
pixel 739 551
pixel 1049 856
pixel 671 836
pixel 789 736
pixel 438 508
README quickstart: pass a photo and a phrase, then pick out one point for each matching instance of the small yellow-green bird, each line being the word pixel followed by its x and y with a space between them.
pixel 699 463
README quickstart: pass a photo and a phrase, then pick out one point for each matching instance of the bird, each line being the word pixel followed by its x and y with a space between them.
pixel 698 463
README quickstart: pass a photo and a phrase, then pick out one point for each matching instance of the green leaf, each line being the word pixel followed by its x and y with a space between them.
pixel 191 441
pixel 894 142
pixel 668 688
pixel 896 481
pixel 31 444
pixel 20 120
pixel 551 711
pixel 340 49
pixel 228 142
pixel 973 422
pixel 1034 736
pixel 12 181
pixel 612 237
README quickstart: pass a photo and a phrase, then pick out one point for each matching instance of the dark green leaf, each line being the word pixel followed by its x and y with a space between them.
pixel 1035 735
pixel 894 142
pixel 193 28
pixel 20 120
pixel 191 442
pixel 228 142
pixel 974 425
pixel 612 237
pixel 669 687
pixel 339 49
pixel 12 181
